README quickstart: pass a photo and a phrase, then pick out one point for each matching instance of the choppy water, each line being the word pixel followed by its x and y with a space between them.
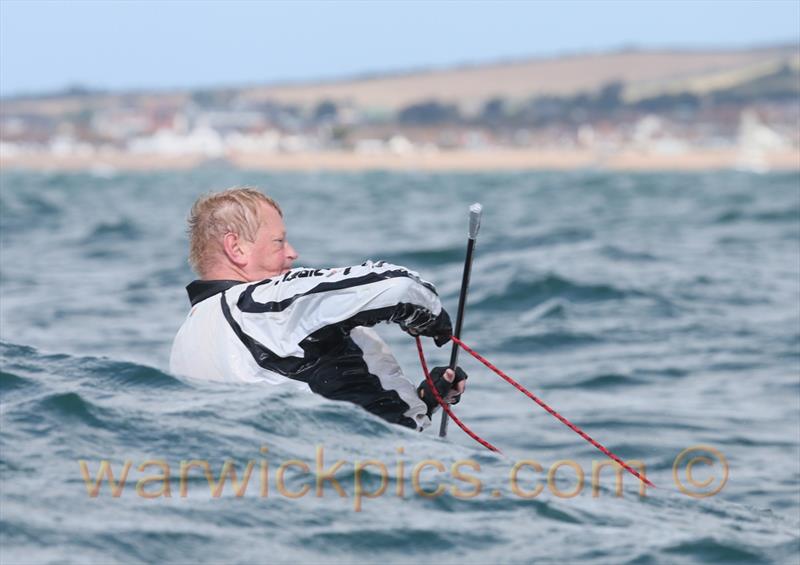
pixel 657 311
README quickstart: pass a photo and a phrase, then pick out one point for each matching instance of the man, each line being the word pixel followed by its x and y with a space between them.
pixel 256 319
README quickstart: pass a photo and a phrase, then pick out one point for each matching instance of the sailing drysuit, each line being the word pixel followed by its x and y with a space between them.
pixel 308 328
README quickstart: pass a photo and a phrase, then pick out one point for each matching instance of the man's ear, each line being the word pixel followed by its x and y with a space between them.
pixel 234 249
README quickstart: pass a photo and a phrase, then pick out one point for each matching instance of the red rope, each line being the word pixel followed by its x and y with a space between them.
pixel 445 406
pixel 541 403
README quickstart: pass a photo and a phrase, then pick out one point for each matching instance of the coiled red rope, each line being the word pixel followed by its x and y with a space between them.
pixel 527 393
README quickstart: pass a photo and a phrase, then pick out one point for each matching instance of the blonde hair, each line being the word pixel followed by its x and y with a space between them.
pixel 235 210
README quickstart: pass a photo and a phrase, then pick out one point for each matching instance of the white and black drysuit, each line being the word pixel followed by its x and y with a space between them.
pixel 309 328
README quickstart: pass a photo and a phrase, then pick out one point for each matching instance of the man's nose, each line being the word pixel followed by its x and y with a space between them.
pixel 291 252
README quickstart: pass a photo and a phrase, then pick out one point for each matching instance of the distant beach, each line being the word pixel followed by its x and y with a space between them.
pixel 496 159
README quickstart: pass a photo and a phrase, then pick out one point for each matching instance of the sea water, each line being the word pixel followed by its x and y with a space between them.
pixel 658 312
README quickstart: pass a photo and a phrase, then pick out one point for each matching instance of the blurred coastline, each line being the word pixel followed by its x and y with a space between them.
pixel 496 159
pixel 626 110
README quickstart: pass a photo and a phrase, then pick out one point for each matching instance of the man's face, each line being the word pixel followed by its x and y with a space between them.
pixel 270 254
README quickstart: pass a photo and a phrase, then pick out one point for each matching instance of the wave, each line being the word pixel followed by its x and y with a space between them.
pixel 548 341
pixel 455 254
pixel 408 540
pixel 791 214
pixel 109 240
pixel 26 361
pixel 555 309
pixel 557 236
pixel 427 257
pixel 22 207
pixel 10 381
pixel 620 254
pixel 710 550
pixel 526 293
pixel 143 545
pixel 673 372
pixel 608 380
pixel 71 406
pixel 123 229
pixel 283 417
pixel 611 380
pixel 49 392
pixel 129 375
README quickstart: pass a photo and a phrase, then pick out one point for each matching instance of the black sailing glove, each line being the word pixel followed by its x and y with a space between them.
pixel 439 328
pixel 441 331
pixel 442 387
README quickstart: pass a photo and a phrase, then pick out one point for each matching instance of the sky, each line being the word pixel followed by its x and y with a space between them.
pixel 118 45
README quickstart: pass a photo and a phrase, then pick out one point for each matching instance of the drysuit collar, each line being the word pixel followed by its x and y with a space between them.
pixel 199 290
